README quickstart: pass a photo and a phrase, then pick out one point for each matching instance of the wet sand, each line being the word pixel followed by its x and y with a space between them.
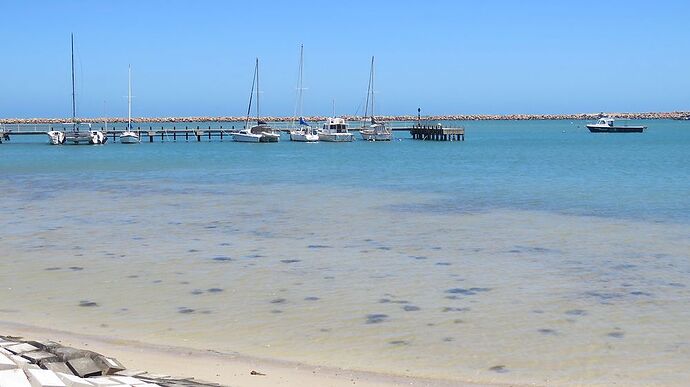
pixel 214 366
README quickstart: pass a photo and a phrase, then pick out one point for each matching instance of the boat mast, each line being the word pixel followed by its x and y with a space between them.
pixel 129 99
pixel 74 104
pixel 251 95
pixel 301 63
pixel 257 91
pixel 372 90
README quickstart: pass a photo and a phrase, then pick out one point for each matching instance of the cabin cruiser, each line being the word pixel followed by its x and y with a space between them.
pixel 335 130
pixel 608 125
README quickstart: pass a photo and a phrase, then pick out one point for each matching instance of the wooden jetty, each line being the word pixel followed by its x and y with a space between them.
pixel 437 133
pixel 199 133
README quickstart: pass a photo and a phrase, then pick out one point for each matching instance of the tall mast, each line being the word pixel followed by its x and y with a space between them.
pixel 257 91
pixel 74 104
pixel 301 64
pixel 129 99
pixel 372 89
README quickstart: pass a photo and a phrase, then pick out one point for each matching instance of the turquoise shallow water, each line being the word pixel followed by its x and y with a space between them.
pixel 534 252
pixel 539 165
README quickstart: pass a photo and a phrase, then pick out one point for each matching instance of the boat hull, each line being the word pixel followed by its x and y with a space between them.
pixel 616 129
pixel 304 137
pixel 336 137
pixel 85 138
pixel 56 137
pixel 127 138
pixel 244 137
pixel 368 136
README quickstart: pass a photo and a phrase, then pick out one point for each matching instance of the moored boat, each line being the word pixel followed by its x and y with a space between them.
pixel 77 136
pixel 375 131
pixel 335 129
pixel 608 125
pixel 261 132
pixel 304 132
pixel 129 136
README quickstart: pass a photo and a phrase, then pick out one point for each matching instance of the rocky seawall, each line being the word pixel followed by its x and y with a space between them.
pixel 452 117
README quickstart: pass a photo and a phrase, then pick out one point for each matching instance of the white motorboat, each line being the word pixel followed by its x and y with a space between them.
pixel 608 125
pixel 304 132
pixel 261 132
pixel 129 136
pixel 376 131
pixel 76 136
pixel 56 137
pixel 335 130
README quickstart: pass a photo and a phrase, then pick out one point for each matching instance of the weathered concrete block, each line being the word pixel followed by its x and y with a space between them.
pixel 73 380
pixel 69 353
pixel 108 365
pixel 13 378
pixel 39 356
pixel 7 343
pixel 20 348
pixel 104 382
pixel 57 367
pixel 6 363
pixel 84 367
pixel 127 380
pixel 130 372
pixel 43 378
pixel 44 345
pixel 20 361
pixel 5 352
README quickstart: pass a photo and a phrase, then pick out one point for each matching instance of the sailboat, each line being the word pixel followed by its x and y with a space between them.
pixel 261 132
pixel 75 136
pixel 304 133
pixel 375 131
pixel 129 136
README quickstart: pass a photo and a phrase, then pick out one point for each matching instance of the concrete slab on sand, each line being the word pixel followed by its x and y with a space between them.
pixel 21 348
pixel 104 382
pixel 13 378
pixel 44 378
pixel 6 363
pixel 39 356
pixel 58 367
pixel 73 380
pixel 84 367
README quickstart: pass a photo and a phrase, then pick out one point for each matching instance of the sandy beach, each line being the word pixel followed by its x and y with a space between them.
pixel 217 367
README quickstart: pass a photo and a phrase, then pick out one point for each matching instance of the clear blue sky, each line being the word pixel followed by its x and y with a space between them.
pixel 196 57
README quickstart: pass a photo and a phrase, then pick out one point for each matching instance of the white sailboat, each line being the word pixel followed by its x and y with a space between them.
pixel 261 132
pixel 335 129
pixel 129 136
pixel 375 131
pixel 77 136
pixel 304 132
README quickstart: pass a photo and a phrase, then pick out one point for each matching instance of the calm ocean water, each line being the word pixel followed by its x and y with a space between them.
pixel 533 252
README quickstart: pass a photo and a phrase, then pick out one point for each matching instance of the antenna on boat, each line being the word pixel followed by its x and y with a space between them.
pixel 333 107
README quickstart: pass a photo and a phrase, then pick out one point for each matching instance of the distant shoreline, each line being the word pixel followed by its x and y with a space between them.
pixel 451 117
